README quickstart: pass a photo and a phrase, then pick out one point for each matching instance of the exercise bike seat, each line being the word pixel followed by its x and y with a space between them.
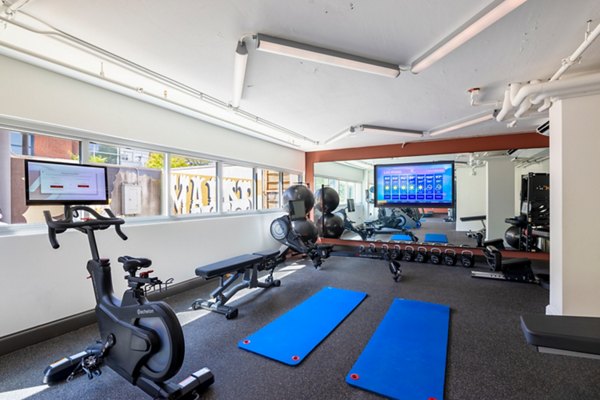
pixel 134 263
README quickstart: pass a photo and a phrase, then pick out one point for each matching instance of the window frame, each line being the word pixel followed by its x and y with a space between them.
pixel 85 137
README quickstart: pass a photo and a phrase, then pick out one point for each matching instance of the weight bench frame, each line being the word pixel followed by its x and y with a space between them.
pixel 515 269
pixel 247 267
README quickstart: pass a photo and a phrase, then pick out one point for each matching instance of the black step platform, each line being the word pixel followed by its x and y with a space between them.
pixel 563 334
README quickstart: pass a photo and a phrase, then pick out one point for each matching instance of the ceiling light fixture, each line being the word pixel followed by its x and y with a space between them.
pixel 487 17
pixel 386 130
pixel 464 124
pixel 239 72
pixel 340 135
pixel 303 51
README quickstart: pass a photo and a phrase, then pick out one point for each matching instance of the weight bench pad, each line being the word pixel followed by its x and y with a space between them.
pixel 229 265
pixel 474 218
pixel 267 254
pixel 515 262
pixel 579 334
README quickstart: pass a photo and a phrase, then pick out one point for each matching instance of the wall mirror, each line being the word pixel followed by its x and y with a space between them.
pixel 495 194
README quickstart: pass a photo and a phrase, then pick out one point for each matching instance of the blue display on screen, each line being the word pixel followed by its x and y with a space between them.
pixel 415 185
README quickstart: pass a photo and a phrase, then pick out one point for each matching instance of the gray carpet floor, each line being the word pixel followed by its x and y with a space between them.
pixel 487 354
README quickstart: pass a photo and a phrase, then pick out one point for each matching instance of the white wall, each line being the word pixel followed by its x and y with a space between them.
pixel 338 171
pixel 40 95
pixel 574 189
pixel 500 196
pixel 470 197
pixel 39 284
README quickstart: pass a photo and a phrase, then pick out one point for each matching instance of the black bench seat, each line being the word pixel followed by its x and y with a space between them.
pixel 219 268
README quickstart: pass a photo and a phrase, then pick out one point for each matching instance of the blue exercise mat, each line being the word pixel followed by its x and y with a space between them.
pixel 436 238
pixel 292 336
pixel 406 238
pixel 406 357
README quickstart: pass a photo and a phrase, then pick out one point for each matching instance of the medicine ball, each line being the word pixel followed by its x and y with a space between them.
pixel 333 227
pixel 298 192
pixel 327 200
pixel 306 229
pixel 513 236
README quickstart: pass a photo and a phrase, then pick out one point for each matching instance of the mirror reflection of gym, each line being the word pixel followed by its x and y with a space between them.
pixel 500 196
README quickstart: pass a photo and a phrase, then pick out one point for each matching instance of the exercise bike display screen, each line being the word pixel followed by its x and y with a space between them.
pixel 49 182
pixel 415 185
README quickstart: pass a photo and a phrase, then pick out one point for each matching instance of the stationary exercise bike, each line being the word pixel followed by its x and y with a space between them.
pixel 141 340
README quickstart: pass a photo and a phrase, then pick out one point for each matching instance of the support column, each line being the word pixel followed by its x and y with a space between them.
pixel 500 196
pixel 574 195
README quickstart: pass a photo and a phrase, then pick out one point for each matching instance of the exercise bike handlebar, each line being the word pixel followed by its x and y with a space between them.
pixel 98 222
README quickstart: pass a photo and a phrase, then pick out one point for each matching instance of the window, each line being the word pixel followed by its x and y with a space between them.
pixel 267 189
pixel 138 183
pixel 24 145
pixel 346 189
pixel 35 145
pixel 238 188
pixel 291 179
pixel 192 185
pixel 134 182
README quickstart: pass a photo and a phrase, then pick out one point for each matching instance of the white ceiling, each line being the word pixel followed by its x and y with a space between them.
pixel 193 42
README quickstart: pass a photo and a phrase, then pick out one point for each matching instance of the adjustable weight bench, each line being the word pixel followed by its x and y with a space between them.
pixel 228 271
pixel 512 269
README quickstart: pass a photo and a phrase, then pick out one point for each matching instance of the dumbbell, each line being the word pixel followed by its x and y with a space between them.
pixel 450 257
pixel 421 255
pixel 435 256
pixel 467 259
pixel 408 254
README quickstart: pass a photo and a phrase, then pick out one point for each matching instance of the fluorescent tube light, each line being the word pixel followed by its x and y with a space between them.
pixel 464 124
pixel 392 131
pixel 303 51
pixel 472 28
pixel 239 72
pixel 340 135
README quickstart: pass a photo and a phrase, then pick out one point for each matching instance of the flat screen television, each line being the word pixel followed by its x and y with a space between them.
pixel 427 184
pixel 49 182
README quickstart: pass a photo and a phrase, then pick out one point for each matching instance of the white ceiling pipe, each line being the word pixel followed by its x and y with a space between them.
pixel 546 105
pixel 517 97
pixel 506 107
pixel 582 84
pixel 523 108
pixel 573 58
pixel 514 89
